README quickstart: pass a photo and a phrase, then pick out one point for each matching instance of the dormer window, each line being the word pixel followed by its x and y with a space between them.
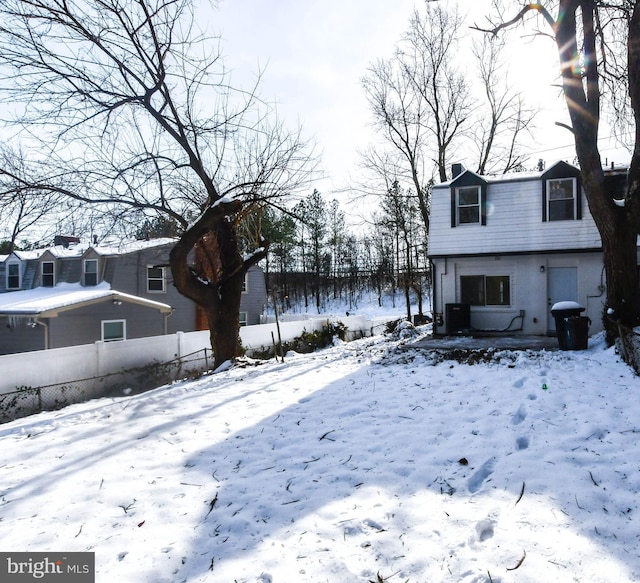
pixel 561 199
pixel 13 275
pixel 561 193
pixel 468 200
pixel 48 274
pixel 90 272
pixel 468 205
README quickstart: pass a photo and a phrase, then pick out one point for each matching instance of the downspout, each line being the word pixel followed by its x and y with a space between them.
pixel 166 321
pixel 434 296
pixel 46 332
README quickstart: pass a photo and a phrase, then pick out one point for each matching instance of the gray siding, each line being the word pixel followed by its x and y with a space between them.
pixel 83 325
pixel 80 326
pixel 16 336
pixel 254 298
pixel 128 274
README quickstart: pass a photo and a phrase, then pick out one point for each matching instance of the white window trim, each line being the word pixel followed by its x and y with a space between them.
pixel 53 272
pixel 574 183
pixel 164 279
pixel 19 264
pixel 124 330
pixel 245 283
pixel 479 205
pixel 245 319
pixel 84 271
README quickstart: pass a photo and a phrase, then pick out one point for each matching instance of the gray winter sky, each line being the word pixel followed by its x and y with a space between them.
pixel 315 53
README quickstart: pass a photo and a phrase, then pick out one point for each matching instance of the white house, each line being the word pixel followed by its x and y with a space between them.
pixel 505 249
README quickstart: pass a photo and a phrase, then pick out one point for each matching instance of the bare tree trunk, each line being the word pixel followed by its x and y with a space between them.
pixel 215 282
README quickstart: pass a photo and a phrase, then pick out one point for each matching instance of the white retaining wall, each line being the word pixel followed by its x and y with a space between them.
pixel 60 365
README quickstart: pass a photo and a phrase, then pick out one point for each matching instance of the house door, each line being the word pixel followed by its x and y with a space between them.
pixel 562 284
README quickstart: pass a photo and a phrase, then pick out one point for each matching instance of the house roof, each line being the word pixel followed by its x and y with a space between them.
pixel 48 302
pixel 106 248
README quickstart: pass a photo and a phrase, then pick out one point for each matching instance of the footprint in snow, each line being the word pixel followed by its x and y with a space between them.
pixel 522 443
pixel 519 383
pixel 520 415
pixel 484 529
pixel 480 475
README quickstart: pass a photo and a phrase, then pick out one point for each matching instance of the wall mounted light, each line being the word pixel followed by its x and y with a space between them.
pixel 542 269
pixel 117 302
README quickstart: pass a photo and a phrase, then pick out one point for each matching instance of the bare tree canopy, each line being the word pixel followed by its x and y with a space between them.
pixel 127 104
pixel 430 109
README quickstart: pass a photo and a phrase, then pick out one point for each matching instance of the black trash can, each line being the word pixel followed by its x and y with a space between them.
pixel 577 332
pixel 570 326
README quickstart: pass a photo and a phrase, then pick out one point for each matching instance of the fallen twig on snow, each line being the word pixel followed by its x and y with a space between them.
pixel 524 556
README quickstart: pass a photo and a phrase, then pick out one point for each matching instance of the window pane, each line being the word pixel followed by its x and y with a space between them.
pixel 91 272
pixel 243 318
pixel 472 290
pixel 561 199
pixel 47 274
pixel 13 275
pixel 561 210
pixel 498 293
pixel 560 189
pixel 468 196
pixel 468 205
pixel 469 214
pixel 155 279
pixel 113 330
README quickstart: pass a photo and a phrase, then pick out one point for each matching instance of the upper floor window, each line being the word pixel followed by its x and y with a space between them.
pixel 245 286
pixel 13 275
pixel 90 272
pixel 468 205
pixel 156 279
pixel 48 273
pixel 561 193
pixel 468 200
pixel 561 200
pixel 485 290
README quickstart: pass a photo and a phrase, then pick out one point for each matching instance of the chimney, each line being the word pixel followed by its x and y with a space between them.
pixel 456 170
pixel 65 241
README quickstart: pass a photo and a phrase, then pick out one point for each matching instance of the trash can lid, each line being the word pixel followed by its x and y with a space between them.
pixel 567 305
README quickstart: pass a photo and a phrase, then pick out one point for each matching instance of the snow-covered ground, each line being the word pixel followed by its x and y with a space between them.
pixel 361 462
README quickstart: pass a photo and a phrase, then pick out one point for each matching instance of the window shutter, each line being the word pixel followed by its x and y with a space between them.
pixel 453 207
pixel 578 199
pixel 483 204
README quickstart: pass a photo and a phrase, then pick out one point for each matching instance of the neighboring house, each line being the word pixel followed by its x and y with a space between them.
pixel 137 269
pixel 505 249
pixel 71 314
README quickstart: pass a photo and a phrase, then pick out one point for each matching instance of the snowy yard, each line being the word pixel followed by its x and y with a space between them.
pixel 360 462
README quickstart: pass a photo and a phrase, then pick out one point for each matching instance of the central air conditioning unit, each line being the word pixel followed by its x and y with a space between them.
pixel 458 319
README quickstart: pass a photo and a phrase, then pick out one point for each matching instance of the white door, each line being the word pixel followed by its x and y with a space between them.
pixel 562 284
